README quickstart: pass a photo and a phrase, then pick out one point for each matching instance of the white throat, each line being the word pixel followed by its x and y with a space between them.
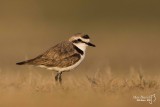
pixel 81 46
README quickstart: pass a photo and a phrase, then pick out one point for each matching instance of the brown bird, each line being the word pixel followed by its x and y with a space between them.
pixel 64 56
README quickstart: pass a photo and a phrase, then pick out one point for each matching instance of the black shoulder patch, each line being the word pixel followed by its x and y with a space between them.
pixel 78 50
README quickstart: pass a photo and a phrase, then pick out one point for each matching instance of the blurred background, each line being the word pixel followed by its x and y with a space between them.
pixel 126 32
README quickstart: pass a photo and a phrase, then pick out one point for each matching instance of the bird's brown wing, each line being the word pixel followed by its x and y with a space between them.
pixel 65 62
pixel 61 55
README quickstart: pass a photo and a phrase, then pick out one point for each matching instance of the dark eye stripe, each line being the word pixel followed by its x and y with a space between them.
pixel 77 41
pixel 85 37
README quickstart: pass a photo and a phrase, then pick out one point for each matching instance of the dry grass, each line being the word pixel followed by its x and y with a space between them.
pixel 38 89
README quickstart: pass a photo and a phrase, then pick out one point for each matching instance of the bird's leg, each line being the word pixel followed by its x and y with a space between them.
pixel 60 77
pixel 57 77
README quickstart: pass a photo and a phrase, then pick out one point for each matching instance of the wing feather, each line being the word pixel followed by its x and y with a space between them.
pixel 61 55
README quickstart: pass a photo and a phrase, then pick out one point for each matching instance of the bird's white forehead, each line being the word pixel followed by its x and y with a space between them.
pixel 85 40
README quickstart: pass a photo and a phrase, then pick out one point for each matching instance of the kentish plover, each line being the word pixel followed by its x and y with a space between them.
pixel 64 56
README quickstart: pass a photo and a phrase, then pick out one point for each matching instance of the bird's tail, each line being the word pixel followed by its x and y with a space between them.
pixel 30 61
pixel 22 63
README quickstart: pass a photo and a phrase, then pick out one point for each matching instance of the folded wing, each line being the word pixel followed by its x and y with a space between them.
pixel 61 55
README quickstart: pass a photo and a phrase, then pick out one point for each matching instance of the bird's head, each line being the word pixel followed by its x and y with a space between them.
pixel 81 41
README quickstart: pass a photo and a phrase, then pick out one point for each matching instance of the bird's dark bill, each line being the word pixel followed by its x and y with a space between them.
pixel 90 44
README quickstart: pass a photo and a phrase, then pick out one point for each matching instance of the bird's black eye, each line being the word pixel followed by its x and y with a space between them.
pixel 79 40
pixel 85 37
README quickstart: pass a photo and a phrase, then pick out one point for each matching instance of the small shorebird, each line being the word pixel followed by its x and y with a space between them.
pixel 64 56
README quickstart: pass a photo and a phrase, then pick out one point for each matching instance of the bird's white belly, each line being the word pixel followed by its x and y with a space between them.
pixel 65 68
